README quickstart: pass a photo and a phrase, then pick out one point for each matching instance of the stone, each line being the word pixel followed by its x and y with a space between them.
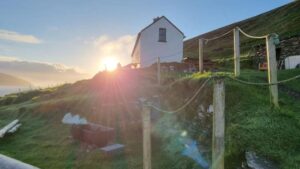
pixel 112 149
pixel 210 109
pixel 256 162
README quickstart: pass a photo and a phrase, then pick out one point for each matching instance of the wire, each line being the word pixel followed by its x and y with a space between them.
pixel 184 105
pixel 217 37
pixel 264 84
pixel 251 36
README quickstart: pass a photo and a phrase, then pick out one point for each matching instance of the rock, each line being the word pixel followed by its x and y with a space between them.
pixel 256 162
pixel 200 115
pixel 210 109
pixel 112 149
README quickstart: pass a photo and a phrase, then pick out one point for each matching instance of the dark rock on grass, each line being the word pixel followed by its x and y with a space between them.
pixel 257 162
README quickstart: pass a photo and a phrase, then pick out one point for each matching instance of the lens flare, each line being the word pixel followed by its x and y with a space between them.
pixel 110 64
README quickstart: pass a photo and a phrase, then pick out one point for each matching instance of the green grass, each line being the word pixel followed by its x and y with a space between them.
pixel 251 122
pixel 45 142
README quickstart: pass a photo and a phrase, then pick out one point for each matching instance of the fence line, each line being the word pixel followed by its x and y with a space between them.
pixel 251 36
pixel 264 84
pixel 184 105
pixel 217 37
pixel 218 76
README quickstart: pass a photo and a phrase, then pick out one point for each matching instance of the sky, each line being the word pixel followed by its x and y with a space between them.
pixel 82 33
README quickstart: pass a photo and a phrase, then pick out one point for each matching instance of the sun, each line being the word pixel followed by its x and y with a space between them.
pixel 110 64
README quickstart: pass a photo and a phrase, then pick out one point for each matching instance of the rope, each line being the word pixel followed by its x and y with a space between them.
pixel 184 105
pixel 217 37
pixel 263 84
pixel 250 36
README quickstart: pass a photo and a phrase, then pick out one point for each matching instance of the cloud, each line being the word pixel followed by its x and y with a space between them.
pixel 17 37
pixel 39 73
pixel 7 58
pixel 118 48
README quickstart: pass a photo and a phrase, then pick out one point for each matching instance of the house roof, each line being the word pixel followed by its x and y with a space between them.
pixel 156 20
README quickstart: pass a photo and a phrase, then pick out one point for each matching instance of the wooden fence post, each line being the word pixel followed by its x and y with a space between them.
pixel 201 45
pixel 146 136
pixel 236 41
pixel 218 125
pixel 272 69
pixel 158 70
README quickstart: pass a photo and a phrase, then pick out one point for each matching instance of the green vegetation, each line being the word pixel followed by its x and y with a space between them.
pixel 251 122
pixel 111 99
pixel 108 99
pixel 285 21
pixel 253 125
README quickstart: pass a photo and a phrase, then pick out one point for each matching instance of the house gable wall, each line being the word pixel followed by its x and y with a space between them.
pixel 150 48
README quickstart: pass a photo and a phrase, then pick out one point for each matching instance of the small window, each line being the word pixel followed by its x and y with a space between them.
pixel 162 35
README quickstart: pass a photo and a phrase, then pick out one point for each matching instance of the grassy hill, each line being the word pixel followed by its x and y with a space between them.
pixel 285 21
pixel 9 80
pixel 111 99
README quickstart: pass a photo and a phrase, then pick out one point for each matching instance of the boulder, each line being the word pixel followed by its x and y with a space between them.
pixel 255 161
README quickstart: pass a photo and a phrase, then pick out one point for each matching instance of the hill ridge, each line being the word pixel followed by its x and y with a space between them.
pixel 284 20
pixel 10 80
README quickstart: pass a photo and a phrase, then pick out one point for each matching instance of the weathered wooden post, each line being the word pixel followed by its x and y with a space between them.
pixel 158 70
pixel 218 125
pixel 272 68
pixel 236 41
pixel 201 45
pixel 146 136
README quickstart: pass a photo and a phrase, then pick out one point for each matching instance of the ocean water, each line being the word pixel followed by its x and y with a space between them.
pixel 4 90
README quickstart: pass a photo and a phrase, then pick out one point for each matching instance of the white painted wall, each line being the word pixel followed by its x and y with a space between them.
pixel 136 55
pixel 291 62
pixel 149 48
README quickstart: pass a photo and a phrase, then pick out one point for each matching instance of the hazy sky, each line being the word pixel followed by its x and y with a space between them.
pixel 79 33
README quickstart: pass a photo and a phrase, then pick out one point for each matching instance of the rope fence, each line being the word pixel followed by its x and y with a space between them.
pixel 220 76
pixel 185 104
pixel 217 37
pixel 251 36
pixel 263 84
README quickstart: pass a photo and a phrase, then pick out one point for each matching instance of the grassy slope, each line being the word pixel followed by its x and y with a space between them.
pixel 253 125
pixel 250 123
pixel 8 80
pixel 45 142
pixel 285 21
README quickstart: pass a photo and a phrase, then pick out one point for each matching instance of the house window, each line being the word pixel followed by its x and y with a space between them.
pixel 162 35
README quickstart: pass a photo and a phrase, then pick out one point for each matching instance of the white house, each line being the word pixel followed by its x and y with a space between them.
pixel 159 39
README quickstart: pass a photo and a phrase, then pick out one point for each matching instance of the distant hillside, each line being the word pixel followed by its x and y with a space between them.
pixel 39 73
pixel 8 80
pixel 285 21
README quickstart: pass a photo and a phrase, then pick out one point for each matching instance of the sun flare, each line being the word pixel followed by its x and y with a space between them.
pixel 110 64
